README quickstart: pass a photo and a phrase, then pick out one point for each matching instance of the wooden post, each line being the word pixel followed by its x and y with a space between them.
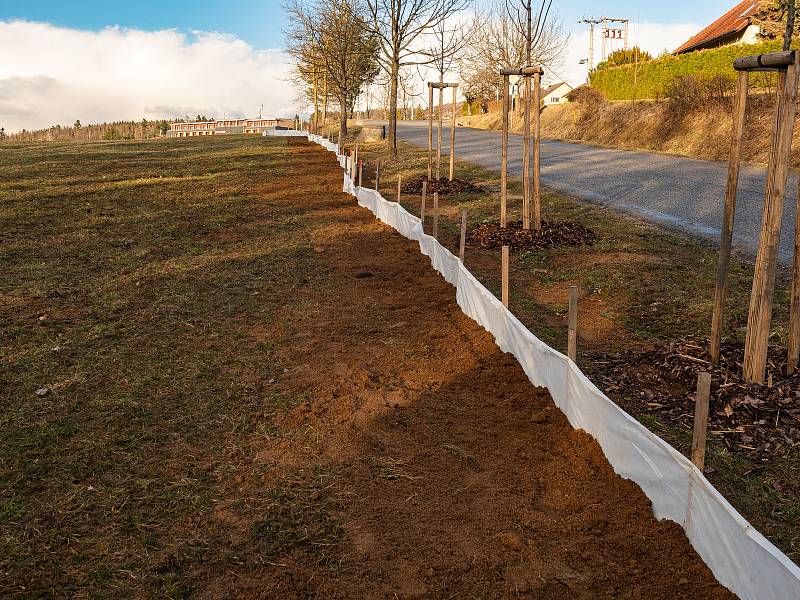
pixel 422 205
pixel 463 241
pixel 356 151
pixel 526 157
pixel 439 135
pixel 726 238
pixel 760 313
pixel 352 165
pixel 436 214
pixel 360 168
pixel 794 306
pixel 537 130
pixel 504 155
pixel 398 189
pixel 504 292
pixel 572 335
pixel 377 175
pixel 430 131
pixel 453 136
pixel 701 419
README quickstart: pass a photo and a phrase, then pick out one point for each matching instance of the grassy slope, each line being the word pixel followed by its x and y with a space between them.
pixel 654 127
pixel 132 276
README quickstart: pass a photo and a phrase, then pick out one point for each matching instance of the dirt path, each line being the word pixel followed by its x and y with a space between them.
pixel 419 461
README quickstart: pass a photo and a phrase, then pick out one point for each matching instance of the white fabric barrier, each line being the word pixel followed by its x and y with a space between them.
pixel 739 556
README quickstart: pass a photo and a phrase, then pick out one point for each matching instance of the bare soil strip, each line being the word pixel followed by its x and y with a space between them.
pixel 445 472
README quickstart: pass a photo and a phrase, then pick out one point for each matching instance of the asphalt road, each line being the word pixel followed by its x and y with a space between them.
pixel 686 194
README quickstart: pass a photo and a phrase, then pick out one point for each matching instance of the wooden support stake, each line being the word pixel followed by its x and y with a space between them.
pixel 398 189
pixel 760 313
pixel 537 168
pixel 572 336
pixel 526 157
pixel 436 214
pixel 422 205
pixel 504 292
pixel 726 238
pixel 439 135
pixel 377 175
pixel 430 132
pixel 356 151
pixel 794 307
pixel 352 165
pixel 453 136
pixel 701 419
pixel 463 241
pixel 360 168
pixel 504 154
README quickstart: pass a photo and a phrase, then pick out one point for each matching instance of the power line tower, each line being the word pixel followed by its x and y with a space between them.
pixel 591 23
pixel 260 110
pixel 614 33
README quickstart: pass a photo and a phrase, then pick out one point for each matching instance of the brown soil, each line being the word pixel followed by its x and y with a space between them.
pixel 419 461
pixel 443 186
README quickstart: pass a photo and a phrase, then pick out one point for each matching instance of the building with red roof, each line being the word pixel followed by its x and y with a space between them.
pixel 734 27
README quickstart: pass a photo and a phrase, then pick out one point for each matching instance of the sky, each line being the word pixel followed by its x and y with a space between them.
pixel 62 60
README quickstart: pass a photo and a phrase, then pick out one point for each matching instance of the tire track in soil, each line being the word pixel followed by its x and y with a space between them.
pixel 454 476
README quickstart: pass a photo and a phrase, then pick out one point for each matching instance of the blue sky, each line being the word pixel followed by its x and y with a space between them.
pixel 103 60
pixel 259 22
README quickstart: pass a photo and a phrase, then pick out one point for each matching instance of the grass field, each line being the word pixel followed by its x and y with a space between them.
pixel 205 391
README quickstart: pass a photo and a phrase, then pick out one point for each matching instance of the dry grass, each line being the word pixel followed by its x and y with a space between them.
pixel 654 126
pixel 137 280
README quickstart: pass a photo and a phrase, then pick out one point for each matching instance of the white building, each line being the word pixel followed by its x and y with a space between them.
pixel 556 93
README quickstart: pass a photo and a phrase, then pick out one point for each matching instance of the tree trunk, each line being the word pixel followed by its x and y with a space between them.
pixel 342 120
pixel 391 138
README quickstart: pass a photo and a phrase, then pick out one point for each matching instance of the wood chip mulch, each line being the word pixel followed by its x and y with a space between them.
pixel 761 420
pixel 443 186
pixel 553 234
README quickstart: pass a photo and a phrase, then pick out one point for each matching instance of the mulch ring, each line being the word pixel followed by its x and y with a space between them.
pixel 553 234
pixel 760 420
pixel 443 186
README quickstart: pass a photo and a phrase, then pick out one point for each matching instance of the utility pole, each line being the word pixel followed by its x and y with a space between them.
pixel 260 110
pixel 591 23
pixel 614 33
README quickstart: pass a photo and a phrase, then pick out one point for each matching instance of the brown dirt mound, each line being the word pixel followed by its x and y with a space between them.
pixel 443 186
pixel 553 234
pixel 761 420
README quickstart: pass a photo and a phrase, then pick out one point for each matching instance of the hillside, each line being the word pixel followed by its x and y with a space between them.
pixel 653 126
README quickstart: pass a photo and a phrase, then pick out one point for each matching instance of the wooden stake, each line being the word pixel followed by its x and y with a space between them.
pixel 504 155
pixel 356 151
pixel 453 136
pixel 504 292
pixel 760 313
pixel 572 336
pixel 430 132
pixel 526 157
pixel 398 189
pixel 726 238
pixel 436 214
pixel 794 306
pixel 701 419
pixel 537 131
pixel 360 168
pixel 463 235
pixel 377 175
pixel 422 206
pixel 439 136
pixel 352 165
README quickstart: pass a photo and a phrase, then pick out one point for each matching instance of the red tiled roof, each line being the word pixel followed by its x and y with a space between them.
pixel 735 20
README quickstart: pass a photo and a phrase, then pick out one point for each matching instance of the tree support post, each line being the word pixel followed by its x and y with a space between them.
pixel 726 237
pixel 760 313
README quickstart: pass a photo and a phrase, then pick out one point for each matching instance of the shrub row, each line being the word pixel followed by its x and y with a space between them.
pixel 653 79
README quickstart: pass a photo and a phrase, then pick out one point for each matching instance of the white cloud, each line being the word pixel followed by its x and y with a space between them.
pixel 652 37
pixel 54 75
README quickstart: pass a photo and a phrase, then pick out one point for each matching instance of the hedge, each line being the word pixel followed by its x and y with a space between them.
pixel 654 77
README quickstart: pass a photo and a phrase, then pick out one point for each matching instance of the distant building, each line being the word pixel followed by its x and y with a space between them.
pixel 734 27
pixel 196 128
pixel 556 93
